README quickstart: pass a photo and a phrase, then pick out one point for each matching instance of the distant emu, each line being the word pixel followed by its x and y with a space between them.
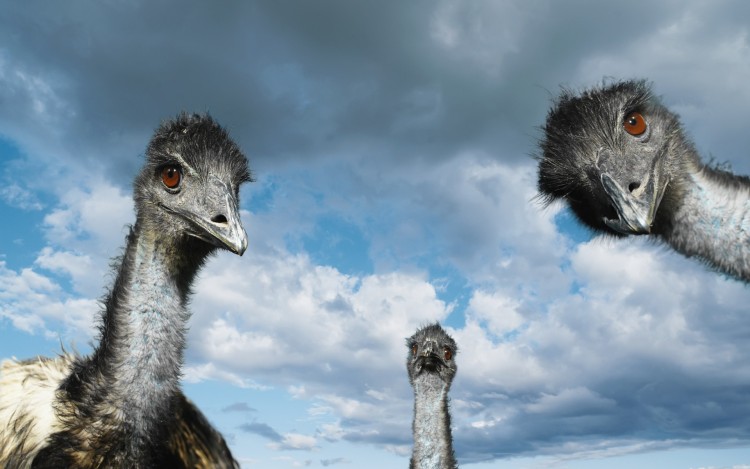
pixel 122 406
pixel 622 162
pixel 431 367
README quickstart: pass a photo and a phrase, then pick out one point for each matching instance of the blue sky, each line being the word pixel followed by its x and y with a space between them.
pixel 392 144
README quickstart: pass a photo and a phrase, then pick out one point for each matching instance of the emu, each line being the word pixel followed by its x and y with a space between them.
pixel 122 406
pixel 431 367
pixel 622 162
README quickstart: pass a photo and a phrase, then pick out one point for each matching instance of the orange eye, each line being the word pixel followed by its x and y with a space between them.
pixel 171 176
pixel 634 124
pixel 414 349
pixel 447 353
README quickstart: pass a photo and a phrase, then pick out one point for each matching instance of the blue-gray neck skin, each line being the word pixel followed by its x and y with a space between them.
pixel 433 443
pixel 712 221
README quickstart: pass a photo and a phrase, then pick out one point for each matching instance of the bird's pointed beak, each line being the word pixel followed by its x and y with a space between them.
pixel 221 226
pixel 637 196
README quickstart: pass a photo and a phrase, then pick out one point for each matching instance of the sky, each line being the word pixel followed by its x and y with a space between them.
pixel 393 148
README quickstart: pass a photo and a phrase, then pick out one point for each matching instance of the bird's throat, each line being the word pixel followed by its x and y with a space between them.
pixel 713 221
pixel 432 433
pixel 144 332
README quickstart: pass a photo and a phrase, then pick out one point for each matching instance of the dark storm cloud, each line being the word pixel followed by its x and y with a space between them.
pixel 296 80
pixel 671 408
pixel 289 78
pixel 117 69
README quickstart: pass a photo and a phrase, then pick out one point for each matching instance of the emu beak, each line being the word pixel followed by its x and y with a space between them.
pixel 428 360
pixel 638 201
pixel 217 219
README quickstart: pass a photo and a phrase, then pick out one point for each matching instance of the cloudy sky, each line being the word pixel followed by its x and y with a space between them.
pixel 392 144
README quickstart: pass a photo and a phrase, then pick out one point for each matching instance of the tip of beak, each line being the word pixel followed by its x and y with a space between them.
pixel 239 245
pixel 242 247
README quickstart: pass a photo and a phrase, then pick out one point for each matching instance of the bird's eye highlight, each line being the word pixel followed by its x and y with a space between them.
pixel 171 176
pixel 634 124
pixel 447 353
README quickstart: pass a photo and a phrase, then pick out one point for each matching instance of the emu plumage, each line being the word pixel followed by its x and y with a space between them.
pixel 122 406
pixel 622 162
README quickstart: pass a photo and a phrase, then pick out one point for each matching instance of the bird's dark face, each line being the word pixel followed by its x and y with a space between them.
pixel 607 152
pixel 189 186
pixel 432 353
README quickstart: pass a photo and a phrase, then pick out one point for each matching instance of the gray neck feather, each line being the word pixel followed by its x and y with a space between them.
pixel 433 445
pixel 153 318
pixel 143 337
pixel 713 221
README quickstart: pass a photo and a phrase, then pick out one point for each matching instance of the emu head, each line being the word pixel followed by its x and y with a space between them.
pixel 432 354
pixel 189 185
pixel 608 153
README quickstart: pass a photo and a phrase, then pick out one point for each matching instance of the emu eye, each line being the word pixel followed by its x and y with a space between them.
pixel 414 349
pixel 634 124
pixel 447 353
pixel 171 176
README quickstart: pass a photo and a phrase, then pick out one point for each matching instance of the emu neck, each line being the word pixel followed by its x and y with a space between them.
pixel 713 221
pixel 433 446
pixel 143 336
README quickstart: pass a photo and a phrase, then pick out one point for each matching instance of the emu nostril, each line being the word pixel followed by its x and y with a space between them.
pixel 633 186
pixel 219 219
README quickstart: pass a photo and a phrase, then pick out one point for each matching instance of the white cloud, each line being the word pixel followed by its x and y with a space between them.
pixel 507 365
pixel 90 218
pixel 573 401
pixel 74 265
pixel 295 441
pixel 17 196
pixel 268 312
pixel 499 312
pixel 209 371
pixel 82 230
pixel 29 300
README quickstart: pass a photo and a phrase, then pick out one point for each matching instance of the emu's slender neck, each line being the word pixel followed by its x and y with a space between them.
pixel 148 347
pixel 712 221
pixel 136 366
pixel 433 443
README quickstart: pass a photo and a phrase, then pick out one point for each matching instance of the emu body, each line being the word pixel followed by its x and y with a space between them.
pixel 122 406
